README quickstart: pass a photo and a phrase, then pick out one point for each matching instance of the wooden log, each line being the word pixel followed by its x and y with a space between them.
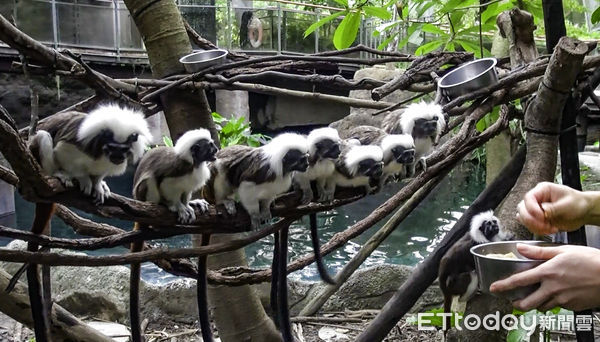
pixel 64 326
pixel 426 272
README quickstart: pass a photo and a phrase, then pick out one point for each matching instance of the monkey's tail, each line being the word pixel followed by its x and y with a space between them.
pixel 275 277
pixel 39 306
pixel 282 301
pixel 134 291
pixel 447 301
pixel 314 237
pixel 201 284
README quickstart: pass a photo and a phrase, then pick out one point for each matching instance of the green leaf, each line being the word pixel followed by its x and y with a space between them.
pixel 596 16
pixel 217 117
pixel 378 12
pixel 167 141
pixel 386 42
pixel 423 7
pixel 597 143
pixel 431 46
pixel 342 2
pixel 345 34
pixel 517 335
pixel 451 5
pixel 469 47
pixel 492 11
pixel 322 22
pixel 450 46
pixel 433 29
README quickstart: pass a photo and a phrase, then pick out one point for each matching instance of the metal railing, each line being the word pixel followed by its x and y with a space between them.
pixel 105 28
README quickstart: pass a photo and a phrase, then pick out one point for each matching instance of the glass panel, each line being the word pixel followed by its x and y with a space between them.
pixel 129 35
pixel 201 16
pixel 90 24
pixel 35 18
pixel 293 26
pixel 255 29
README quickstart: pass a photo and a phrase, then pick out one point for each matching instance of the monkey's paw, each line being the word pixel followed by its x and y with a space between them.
pixel 201 204
pixel 64 179
pixel 256 222
pixel 307 196
pixel 230 207
pixel 186 214
pixel 101 192
pixel 326 196
pixel 265 215
pixel 423 162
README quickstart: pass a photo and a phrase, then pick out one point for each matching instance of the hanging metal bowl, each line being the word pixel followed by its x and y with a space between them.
pixel 469 77
pixel 197 61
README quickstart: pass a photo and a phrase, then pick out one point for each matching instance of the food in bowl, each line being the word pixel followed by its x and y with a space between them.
pixel 509 255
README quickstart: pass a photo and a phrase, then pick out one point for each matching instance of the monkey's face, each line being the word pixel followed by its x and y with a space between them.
pixel 295 160
pixel 489 229
pixel 116 151
pixel 370 168
pixel 404 155
pixel 328 149
pixel 424 128
pixel 203 150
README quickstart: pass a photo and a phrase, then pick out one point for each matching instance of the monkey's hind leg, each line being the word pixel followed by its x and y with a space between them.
pixel 423 162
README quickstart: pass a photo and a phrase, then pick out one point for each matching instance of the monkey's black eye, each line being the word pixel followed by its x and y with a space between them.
pixel 132 138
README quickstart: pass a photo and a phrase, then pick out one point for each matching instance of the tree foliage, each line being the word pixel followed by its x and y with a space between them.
pixel 448 25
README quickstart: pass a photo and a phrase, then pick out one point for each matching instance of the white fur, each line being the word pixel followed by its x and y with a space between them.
pixel 471 288
pixel 322 168
pixel 478 220
pixel 319 134
pixel 46 151
pixel 189 138
pixel 353 182
pixel 277 148
pixel 421 110
pixel 392 140
pixel 76 163
pixel 121 121
pixel 359 153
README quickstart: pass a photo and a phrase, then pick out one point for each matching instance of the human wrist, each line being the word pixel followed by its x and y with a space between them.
pixel 592 205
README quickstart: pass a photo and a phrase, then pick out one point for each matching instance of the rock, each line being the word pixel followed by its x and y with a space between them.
pixel 363 116
pixel 118 332
pixel 15 95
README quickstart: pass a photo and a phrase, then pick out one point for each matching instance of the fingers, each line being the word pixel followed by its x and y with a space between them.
pixel 537 252
pixel 524 278
pixel 532 221
pixel 535 300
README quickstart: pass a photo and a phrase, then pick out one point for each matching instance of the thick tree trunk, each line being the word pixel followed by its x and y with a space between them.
pixel 543 122
pixel 498 149
pixel 63 325
pixel 237 311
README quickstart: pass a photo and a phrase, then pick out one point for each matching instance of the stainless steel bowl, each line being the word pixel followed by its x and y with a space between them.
pixel 469 77
pixel 490 269
pixel 197 61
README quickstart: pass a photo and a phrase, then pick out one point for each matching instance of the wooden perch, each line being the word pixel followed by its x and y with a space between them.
pixel 419 71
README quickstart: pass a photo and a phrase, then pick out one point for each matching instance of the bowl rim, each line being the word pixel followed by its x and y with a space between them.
pixel 480 60
pixel 530 242
pixel 222 54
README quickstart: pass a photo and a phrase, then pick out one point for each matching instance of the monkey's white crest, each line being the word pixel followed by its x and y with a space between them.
pixel 392 140
pixel 359 153
pixel 478 220
pixel 279 146
pixel 421 110
pixel 121 121
pixel 319 134
pixel 189 138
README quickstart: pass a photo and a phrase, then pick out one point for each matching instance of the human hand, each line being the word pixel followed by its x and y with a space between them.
pixel 569 279
pixel 549 208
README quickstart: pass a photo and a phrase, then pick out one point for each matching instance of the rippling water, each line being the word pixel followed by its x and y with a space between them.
pixel 412 240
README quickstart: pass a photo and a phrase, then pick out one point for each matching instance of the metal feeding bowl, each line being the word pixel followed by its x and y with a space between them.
pixel 469 77
pixel 492 268
pixel 202 59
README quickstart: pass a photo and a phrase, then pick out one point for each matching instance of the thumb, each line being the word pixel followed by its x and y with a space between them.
pixel 537 252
